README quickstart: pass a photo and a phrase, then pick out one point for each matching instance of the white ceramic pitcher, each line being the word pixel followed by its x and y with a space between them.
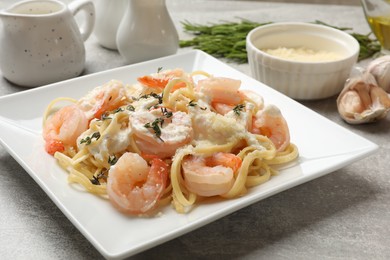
pixel 41 42
pixel 146 31
pixel 109 14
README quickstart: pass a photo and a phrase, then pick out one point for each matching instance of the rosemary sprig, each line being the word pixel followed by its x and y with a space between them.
pixel 224 40
pixel 228 39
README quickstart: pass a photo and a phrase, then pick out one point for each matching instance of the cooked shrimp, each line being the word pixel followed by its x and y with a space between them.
pixel 210 176
pixel 221 93
pixel 103 98
pixel 271 123
pixel 161 79
pixel 254 98
pixel 221 90
pixel 63 128
pixel 160 132
pixel 133 186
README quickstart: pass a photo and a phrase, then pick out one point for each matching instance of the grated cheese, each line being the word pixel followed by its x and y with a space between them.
pixel 303 54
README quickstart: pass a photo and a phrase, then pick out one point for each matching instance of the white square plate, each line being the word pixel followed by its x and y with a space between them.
pixel 324 147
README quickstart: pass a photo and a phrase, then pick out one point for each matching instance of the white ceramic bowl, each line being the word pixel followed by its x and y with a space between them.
pixel 297 79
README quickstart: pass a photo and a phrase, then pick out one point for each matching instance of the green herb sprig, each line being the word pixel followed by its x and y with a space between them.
pixel 88 140
pixel 112 160
pixel 158 123
pixel 237 109
pixel 155 126
pixel 228 39
pixel 192 103
pixel 96 179
pixel 224 40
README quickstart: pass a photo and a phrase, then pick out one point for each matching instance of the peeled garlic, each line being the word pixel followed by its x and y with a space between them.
pixel 380 69
pixel 362 101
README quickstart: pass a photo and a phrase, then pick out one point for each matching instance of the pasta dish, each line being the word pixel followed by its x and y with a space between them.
pixel 173 137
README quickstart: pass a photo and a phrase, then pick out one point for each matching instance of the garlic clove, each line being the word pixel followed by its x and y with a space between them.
pixel 362 101
pixel 380 69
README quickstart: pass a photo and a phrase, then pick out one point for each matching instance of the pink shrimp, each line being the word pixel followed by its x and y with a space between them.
pixel 160 132
pixel 103 98
pixel 63 128
pixel 133 186
pixel 161 79
pixel 212 175
pixel 223 93
pixel 270 122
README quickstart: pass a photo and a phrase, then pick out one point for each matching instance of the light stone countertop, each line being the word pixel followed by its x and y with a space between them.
pixel 343 215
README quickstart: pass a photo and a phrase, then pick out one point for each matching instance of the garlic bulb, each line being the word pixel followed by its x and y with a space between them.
pixel 380 69
pixel 362 101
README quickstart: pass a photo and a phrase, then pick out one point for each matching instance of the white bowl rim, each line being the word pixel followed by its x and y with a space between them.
pixel 355 47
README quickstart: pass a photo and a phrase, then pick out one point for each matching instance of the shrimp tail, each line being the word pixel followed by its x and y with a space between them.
pixel 228 160
pixel 53 146
pixel 152 82
pixel 158 83
pixel 162 170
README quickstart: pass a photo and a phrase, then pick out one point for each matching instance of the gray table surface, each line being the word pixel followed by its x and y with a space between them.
pixel 343 215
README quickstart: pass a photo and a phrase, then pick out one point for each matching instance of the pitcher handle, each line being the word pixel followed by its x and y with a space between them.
pixel 89 9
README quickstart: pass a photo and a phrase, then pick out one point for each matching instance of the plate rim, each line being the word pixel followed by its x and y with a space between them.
pixel 195 54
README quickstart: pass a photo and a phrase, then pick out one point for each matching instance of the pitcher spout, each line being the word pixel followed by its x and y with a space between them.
pixel 34 8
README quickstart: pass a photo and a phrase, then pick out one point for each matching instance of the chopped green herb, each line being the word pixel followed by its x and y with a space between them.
pixel 166 113
pixel 159 69
pixel 237 109
pixel 112 160
pixel 87 140
pixel 158 123
pixel 96 179
pixel 193 104
pixel 106 116
pixel 118 110
pixel 130 108
pixel 156 96
pixel 155 126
